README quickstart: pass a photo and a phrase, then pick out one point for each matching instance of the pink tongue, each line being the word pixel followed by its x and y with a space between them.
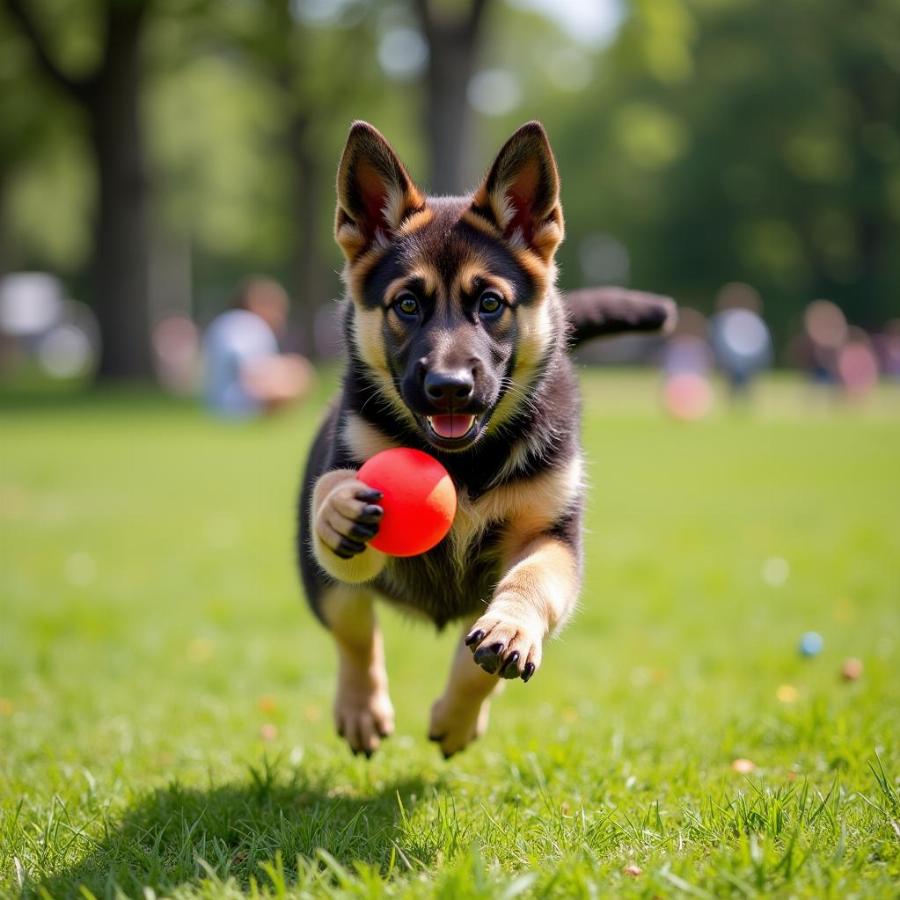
pixel 451 426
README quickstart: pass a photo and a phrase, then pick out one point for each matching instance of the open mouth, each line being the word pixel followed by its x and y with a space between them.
pixel 452 429
pixel 451 426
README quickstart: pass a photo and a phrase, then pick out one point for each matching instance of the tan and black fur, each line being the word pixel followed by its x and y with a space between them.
pixel 451 309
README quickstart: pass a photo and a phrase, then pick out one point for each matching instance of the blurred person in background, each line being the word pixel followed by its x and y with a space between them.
pixel 888 344
pixel 839 356
pixel 686 365
pixel 825 331
pixel 245 374
pixel 739 337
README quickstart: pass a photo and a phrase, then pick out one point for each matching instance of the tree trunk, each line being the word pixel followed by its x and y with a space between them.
pixel 120 267
pixel 448 114
pixel 4 247
pixel 453 44
pixel 309 288
pixel 870 307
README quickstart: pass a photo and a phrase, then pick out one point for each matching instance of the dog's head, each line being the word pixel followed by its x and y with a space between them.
pixel 453 297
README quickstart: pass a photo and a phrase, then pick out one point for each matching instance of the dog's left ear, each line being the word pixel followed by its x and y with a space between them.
pixel 374 192
pixel 520 195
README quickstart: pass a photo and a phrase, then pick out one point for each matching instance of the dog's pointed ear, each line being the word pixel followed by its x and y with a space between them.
pixel 520 194
pixel 374 192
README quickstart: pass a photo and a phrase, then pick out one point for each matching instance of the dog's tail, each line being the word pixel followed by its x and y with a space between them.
pixel 599 312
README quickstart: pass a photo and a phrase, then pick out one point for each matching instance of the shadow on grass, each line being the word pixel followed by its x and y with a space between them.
pixel 179 837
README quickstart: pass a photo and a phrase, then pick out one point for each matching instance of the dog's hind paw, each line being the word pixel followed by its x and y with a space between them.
pixel 364 722
pixel 454 725
pixel 505 647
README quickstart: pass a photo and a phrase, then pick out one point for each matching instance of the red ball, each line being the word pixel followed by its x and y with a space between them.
pixel 419 500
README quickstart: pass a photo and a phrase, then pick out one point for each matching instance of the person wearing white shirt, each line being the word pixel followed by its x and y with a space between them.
pixel 245 374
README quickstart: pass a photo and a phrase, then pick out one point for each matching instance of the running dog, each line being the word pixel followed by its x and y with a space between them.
pixel 458 344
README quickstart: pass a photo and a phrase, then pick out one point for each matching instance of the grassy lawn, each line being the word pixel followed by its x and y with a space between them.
pixel 165 694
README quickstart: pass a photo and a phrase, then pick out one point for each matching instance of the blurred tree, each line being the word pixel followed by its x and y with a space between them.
pixel 454 32
pixel 109 94
pixel 20 130
pixel 729 141
pixel 705 142
pixel 317 70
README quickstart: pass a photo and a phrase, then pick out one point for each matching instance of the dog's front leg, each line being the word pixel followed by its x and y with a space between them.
pixel 533 599
pixel 345 517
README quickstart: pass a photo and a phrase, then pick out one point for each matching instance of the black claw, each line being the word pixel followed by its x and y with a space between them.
pixel 510 670
pixel 369 495
pixel 371 514
pixel 350 547
pixel 529 671
pixel 447 754
pixel 368 753
pixel 435 737
pixel 474 637
pixel 363 531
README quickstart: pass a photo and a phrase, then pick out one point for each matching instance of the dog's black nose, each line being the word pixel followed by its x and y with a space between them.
pixel 449 388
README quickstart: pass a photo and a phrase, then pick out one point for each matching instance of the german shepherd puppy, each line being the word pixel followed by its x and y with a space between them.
pixel 458 345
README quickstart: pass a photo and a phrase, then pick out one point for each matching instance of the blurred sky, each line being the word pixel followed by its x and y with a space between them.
pixel 593 22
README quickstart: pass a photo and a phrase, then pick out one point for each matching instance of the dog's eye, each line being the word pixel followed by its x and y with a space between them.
pixel 490 305
pixel 407 305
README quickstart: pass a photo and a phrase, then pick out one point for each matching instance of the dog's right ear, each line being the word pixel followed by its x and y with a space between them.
pixel 374 192
pixel 520 194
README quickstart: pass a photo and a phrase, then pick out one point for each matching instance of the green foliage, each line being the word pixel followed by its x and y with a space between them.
pixel 717 141
pixel 742 141
pixel 152 626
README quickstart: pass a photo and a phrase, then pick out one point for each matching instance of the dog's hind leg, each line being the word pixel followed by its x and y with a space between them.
pixel 460 715
pixel 363 713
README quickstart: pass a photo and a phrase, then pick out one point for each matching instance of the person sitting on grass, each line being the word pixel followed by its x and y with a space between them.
pixel 245 374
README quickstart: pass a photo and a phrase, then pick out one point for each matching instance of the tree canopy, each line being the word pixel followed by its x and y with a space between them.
pixel 699 142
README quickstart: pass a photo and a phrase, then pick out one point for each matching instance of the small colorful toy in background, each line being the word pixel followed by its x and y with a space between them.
pixel 418 498
pixel 811 644
pixel 851 669
pixel 687 396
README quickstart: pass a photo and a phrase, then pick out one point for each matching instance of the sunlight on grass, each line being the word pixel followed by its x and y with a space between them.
pixel 165 694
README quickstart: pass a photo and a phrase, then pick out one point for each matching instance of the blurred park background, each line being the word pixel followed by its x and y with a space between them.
pixel 165 693
pixel 155 152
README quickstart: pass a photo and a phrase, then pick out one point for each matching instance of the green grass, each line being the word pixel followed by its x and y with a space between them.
pixel 151 626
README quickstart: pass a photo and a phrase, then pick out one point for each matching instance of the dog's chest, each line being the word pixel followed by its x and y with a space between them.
pixel 458 576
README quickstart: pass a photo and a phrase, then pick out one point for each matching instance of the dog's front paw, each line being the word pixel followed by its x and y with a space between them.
pixel 349 518
pixel 455 724
pixel 363 719
pixel 506 644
